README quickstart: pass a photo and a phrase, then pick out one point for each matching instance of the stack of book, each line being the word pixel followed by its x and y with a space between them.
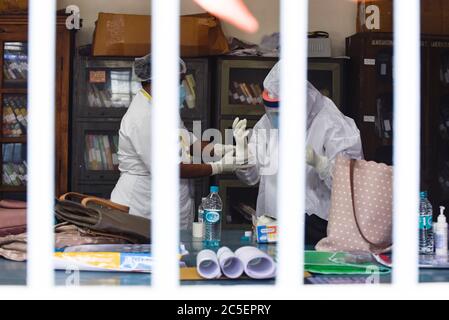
pixel 111 88
pixel 15 66
pixel 245 93
pixel 14 116
pixel 99 97
pixel 101 152
pixel 14 165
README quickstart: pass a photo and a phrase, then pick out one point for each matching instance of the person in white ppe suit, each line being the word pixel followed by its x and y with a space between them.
pixel 329 134
pixel 134 186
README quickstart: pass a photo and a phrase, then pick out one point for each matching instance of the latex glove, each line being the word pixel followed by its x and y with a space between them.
pixel 241 139
pixel 320 163
pixel 220 150
pixel 227 165
pixel 239 129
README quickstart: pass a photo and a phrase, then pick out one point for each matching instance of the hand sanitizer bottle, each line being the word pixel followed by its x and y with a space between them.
pixel 441 235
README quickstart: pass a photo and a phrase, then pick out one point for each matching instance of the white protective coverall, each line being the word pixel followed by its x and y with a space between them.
pixel 134 186
pixel 329 132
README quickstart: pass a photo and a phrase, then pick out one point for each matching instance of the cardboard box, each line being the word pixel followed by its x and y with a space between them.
pixel 13 6
pixel 267 233
pixel 377 16
pixel 130 36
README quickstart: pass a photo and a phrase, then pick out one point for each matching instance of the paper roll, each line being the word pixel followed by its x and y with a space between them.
pixel 231 266
pixel 257 264
pixel 207 265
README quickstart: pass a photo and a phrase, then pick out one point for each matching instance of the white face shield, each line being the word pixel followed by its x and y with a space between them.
pixel 271 109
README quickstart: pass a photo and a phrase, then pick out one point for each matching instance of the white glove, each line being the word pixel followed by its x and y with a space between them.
pixel 241 139
pixel 220 150
pixel 320 163
pixel 239 129
pixel 227 165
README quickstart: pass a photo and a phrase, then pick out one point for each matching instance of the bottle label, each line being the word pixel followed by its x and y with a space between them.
pixel 212 216
pixel 426 222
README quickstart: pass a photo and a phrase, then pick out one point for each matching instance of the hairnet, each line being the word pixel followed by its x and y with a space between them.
pixel 143 68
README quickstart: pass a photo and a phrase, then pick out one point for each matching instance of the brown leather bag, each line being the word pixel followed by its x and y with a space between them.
pixel 361 214
pixel 101 217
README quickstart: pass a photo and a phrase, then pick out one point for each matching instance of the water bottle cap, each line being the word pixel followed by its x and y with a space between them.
pixel 214 189
pixel 423 194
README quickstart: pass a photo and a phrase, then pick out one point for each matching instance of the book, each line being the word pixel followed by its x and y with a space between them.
pixel 109 258
pixel 108 151
pixel 14 116
pixel 101 152
pixel 245 93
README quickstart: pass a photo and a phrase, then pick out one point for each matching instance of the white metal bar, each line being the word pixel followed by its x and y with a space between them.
pixel 406 158
pixel 407 123
pixel 41 146
pixel 291 183
pixel 165 139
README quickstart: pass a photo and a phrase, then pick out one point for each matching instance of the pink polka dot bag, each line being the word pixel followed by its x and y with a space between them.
pixel 361 213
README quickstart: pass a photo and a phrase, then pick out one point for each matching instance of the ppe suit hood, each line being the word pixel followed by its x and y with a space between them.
pixel 314 97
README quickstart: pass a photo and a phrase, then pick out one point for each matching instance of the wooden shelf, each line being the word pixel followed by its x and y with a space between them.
pixel 8 189
pixel 14 90
pixel 22 139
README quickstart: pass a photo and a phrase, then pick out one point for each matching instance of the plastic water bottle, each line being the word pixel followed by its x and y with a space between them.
pixel 425 225
pixel 432 233
pixel 213 207
pixel 201 211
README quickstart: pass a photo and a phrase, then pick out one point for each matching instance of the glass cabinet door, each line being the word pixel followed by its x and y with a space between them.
pixel 242 86
pixel 13 109
pixel 109 88
pixel 104 87
pixel 197 105
pixel 14 169
pixel 15 115
pixel 100 153
pixel 15 64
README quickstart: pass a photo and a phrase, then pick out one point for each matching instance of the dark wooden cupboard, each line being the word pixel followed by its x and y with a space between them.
pixel 104 89
pixel 13 104
pixel 371 87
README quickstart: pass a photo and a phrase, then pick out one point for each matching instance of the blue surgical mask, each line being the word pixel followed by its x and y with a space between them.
pixel 273 116
pixel 182 96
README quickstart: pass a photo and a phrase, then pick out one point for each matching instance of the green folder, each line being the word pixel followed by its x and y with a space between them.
pixel 334 264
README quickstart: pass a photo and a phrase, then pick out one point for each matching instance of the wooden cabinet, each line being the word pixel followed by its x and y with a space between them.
pixel 104 89
pixel 13 104
pixel 371 81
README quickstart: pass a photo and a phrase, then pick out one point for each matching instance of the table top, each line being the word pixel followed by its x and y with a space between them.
pixel 14 273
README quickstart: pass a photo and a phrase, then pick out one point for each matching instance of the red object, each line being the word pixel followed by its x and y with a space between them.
pixel 234 12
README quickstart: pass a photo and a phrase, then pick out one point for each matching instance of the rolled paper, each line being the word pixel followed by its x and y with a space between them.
pixel 207 265
pixel 231 266
pixel 257 264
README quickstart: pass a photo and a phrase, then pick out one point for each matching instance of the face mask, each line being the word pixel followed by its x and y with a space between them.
pixel 275 120
pixel 182 96
pixel 273 116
